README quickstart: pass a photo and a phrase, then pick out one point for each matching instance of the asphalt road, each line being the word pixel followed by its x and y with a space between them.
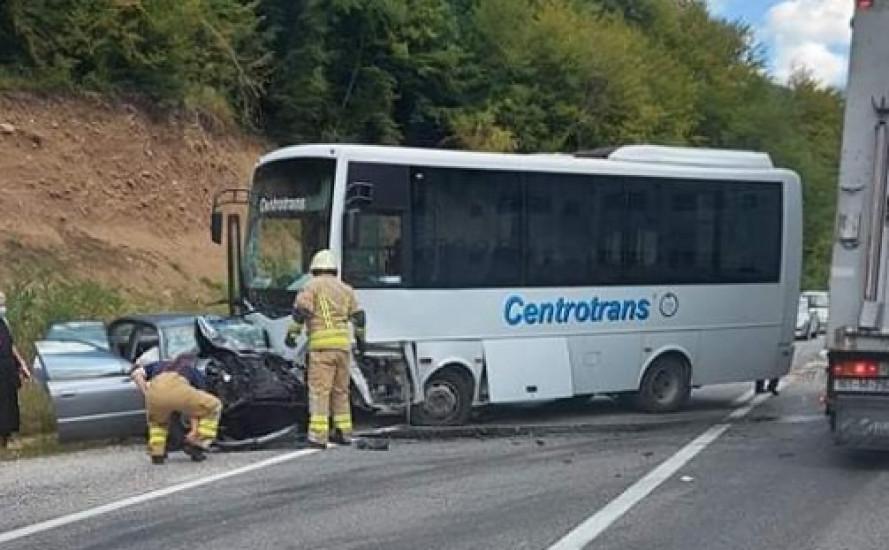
pixel 770 478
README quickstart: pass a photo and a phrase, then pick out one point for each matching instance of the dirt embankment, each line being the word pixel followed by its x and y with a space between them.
pixel 106 191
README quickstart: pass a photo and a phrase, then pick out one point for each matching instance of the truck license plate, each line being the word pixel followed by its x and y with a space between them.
pixel 869 385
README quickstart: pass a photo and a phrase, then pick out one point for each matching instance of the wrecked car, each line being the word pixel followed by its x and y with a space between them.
pixel 93 397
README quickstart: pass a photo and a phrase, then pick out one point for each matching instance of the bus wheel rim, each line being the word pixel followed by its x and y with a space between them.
pixel 664 385
pixel 442 400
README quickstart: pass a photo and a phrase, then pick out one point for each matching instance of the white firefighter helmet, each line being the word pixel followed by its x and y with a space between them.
pixel 323 260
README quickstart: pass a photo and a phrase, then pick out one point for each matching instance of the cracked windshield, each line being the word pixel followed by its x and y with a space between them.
pixel 290 222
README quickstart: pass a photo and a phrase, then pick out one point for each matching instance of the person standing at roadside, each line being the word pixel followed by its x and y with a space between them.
pixel 12 371
pixel 327 306
pixel 761 387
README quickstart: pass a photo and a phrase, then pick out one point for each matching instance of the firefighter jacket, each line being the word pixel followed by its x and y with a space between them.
pixel 327 305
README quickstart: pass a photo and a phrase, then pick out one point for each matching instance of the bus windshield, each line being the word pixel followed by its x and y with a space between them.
pixel 289 222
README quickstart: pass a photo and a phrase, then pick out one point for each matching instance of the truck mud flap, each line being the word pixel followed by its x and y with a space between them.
pixel 862 422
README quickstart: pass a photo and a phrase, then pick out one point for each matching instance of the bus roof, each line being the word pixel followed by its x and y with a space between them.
pixel 639 155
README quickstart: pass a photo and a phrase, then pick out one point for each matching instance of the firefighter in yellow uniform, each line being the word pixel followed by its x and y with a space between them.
pixel 326 305
pixel 176 386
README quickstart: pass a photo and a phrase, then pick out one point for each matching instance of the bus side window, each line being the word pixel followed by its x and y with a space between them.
pixel 374 252
pixel 376 259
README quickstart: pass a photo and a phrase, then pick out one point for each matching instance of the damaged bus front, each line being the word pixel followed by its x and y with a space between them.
pixel 295 208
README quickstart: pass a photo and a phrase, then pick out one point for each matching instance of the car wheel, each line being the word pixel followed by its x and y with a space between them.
pixel 665 387
pixel 447 399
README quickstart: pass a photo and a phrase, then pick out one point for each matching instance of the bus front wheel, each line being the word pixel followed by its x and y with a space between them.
pixel 665 387
pixel 447 400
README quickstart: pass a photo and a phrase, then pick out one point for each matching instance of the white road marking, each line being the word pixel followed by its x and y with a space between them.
pixel 83 515
pixel 800 418
pixel 595 525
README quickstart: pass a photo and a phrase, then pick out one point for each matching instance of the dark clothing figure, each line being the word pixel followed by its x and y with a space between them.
pixel 9 384
pixel 185 365
pixel 772 386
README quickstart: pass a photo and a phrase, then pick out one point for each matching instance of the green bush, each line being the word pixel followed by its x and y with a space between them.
pixel 36 299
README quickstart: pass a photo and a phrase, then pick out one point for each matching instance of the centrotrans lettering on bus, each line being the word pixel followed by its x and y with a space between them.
pixel 517 311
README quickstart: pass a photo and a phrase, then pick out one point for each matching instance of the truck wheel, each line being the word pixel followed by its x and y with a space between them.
pixel 447 400
pixel 665 387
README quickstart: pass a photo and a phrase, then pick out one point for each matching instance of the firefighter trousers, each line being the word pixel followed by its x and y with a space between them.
pixel 170 392
pixel 329 394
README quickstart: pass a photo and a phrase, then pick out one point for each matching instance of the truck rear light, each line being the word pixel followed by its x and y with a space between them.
pixel 859 368
pixel 865 4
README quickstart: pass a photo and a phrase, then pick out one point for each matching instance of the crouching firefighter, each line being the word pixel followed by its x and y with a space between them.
pixel 326 306
pixel 175 386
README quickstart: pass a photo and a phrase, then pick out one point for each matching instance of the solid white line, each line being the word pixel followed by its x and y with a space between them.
pixel 596 524
pixel 146 497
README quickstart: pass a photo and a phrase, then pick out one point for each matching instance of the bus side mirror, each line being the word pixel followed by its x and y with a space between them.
pixel 216 227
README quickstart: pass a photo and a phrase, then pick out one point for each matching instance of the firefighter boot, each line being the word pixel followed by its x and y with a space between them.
pixel 195 453
pixel 341 438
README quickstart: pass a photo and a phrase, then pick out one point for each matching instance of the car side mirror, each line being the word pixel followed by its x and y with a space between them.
pixel 216 227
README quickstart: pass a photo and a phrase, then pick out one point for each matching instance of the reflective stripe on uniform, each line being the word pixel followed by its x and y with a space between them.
pixel 324 305
pixel 335 338
pixel 207 428
pixel 157 440
pixel 343 422
pixel 157 433
pixel 318 423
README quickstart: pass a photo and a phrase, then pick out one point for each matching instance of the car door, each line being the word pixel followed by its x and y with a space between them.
pixel 120 335
pixel 92 394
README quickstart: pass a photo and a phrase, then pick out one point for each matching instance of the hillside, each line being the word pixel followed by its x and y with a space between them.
pixel 104 191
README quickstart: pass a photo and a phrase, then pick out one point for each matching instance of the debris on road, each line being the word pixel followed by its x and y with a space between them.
pixel 371 444
pixel 686 479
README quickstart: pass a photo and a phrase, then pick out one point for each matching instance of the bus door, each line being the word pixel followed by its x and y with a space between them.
pixel 605 362
pixel 528 369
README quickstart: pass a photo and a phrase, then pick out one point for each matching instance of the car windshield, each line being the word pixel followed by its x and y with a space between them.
pixel 289 222
pixel 244 335
pixel 178 339
pixel 91 332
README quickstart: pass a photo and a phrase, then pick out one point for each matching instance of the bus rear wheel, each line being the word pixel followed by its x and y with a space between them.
pixel 665 387
pixel 447 400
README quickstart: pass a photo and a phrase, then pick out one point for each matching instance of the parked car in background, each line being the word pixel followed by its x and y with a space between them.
pixel 819 302
pixel 89 381
pixel 806 320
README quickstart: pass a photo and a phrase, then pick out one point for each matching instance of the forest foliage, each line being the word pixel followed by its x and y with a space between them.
pixel 499 75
